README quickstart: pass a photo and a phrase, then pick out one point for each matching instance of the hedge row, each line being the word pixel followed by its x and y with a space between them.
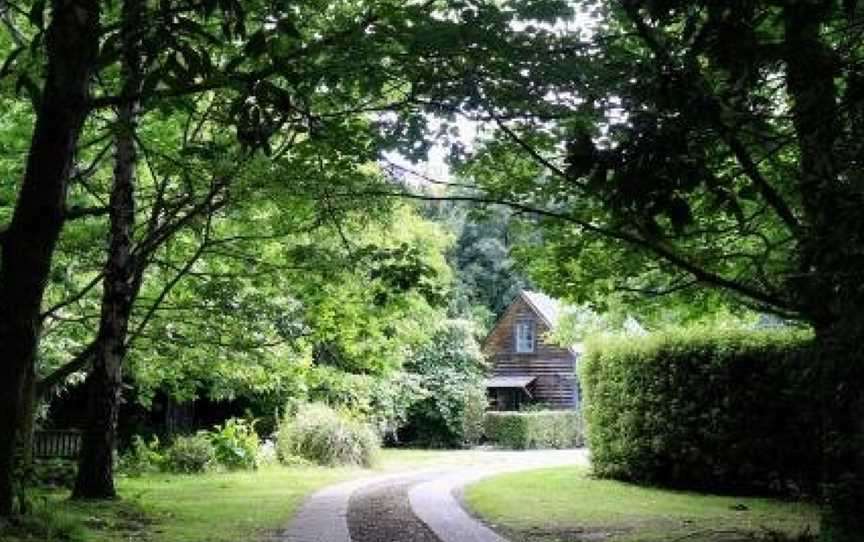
pixel 534 430
pixel 705 409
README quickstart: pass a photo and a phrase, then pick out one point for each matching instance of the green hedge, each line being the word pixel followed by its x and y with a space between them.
pixel 534 430
pixel 700 408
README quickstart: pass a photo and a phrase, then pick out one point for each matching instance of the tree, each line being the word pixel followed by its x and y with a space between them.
pixel 273 71
pixel 487 276
pixel 253 320
pixel 28 241
pixel 685 147
pixel 450 368
pixel 121 282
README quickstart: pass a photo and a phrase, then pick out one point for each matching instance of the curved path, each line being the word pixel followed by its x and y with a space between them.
pixel 417 506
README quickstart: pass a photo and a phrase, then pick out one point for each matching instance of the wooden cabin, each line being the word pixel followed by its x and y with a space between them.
pixel 527 368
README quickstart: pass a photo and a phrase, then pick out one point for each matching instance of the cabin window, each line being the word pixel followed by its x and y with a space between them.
pixel 525 336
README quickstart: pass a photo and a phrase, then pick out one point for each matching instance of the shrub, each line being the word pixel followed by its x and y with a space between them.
pixel 708 409
pixel 471 417
pixel 55 472
pixel 190 454
pixel 534 430
pixel 320 434
pixel 383 402
pixel 142 458
pixel 451 369
pixel 235 444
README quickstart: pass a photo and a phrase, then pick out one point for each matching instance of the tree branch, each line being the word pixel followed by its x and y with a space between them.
pixel 530 150
pixel 727 134
pixel 170 286
pixel 78 363
pixel 771 301
pixel 77 211
pixel 81 293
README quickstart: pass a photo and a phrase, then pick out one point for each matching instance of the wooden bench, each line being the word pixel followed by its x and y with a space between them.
pixel 64 444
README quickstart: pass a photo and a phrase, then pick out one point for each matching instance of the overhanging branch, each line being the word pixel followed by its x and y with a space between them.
pixel 751 169
pixel 78 363
pixel 704 276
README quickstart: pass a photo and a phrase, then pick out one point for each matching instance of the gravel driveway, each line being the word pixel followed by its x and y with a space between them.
pixel 417 506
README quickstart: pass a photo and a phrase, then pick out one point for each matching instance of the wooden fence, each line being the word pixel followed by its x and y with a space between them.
pixel 64 444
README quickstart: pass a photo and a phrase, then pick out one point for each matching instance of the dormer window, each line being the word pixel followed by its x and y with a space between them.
pixel 525 336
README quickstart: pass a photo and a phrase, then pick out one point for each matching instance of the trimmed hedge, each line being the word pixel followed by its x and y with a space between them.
pixel 534 430
pixel 705 409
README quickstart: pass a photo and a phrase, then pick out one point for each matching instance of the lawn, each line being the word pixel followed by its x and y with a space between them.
pixel 215 507
pixel 567 505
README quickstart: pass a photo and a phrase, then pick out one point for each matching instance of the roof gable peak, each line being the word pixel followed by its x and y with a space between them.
pixel 547 308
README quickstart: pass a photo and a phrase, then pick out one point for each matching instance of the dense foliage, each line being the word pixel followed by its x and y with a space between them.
pixel 235 444
pixel 486 277
pixel 232 445
pixel 290 314
pixel 708 409
pixel 318 433
pixel 534 430
pixel 451 370
pixel 163 151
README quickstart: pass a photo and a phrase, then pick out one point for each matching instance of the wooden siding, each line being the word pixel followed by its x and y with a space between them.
pixel 553 366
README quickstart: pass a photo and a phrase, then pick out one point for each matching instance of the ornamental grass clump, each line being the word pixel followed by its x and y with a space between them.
pixel 316 432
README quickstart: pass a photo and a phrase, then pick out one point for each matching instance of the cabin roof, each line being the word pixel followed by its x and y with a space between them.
pixel 546 307
pixel 549 309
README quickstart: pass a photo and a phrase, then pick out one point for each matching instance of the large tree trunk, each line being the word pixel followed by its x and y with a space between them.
pixel 26 427
pixel 104 382
pixel 28 243
pixel 120 287
pixel 842 389
pixel 831 283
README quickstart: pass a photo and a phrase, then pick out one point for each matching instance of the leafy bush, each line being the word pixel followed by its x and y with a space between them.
pixel 383 401
pixel 320 434
pixel 701 408
pixel 451 368
pixel 55 472
pixel 144 457
pixel 534 430
pixel 235 444
pixel 190 454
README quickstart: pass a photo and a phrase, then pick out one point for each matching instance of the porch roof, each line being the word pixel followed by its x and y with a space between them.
pixel 520 382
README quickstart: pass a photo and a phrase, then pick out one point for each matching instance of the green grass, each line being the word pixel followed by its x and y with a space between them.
pixel 228 506
pixel 215 507
pixel 566 504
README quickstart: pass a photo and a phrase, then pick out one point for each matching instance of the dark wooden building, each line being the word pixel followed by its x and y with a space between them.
pixel 526 366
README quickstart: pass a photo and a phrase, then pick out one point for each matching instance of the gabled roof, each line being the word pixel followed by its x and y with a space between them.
pixel 550 310
pixel 546 307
